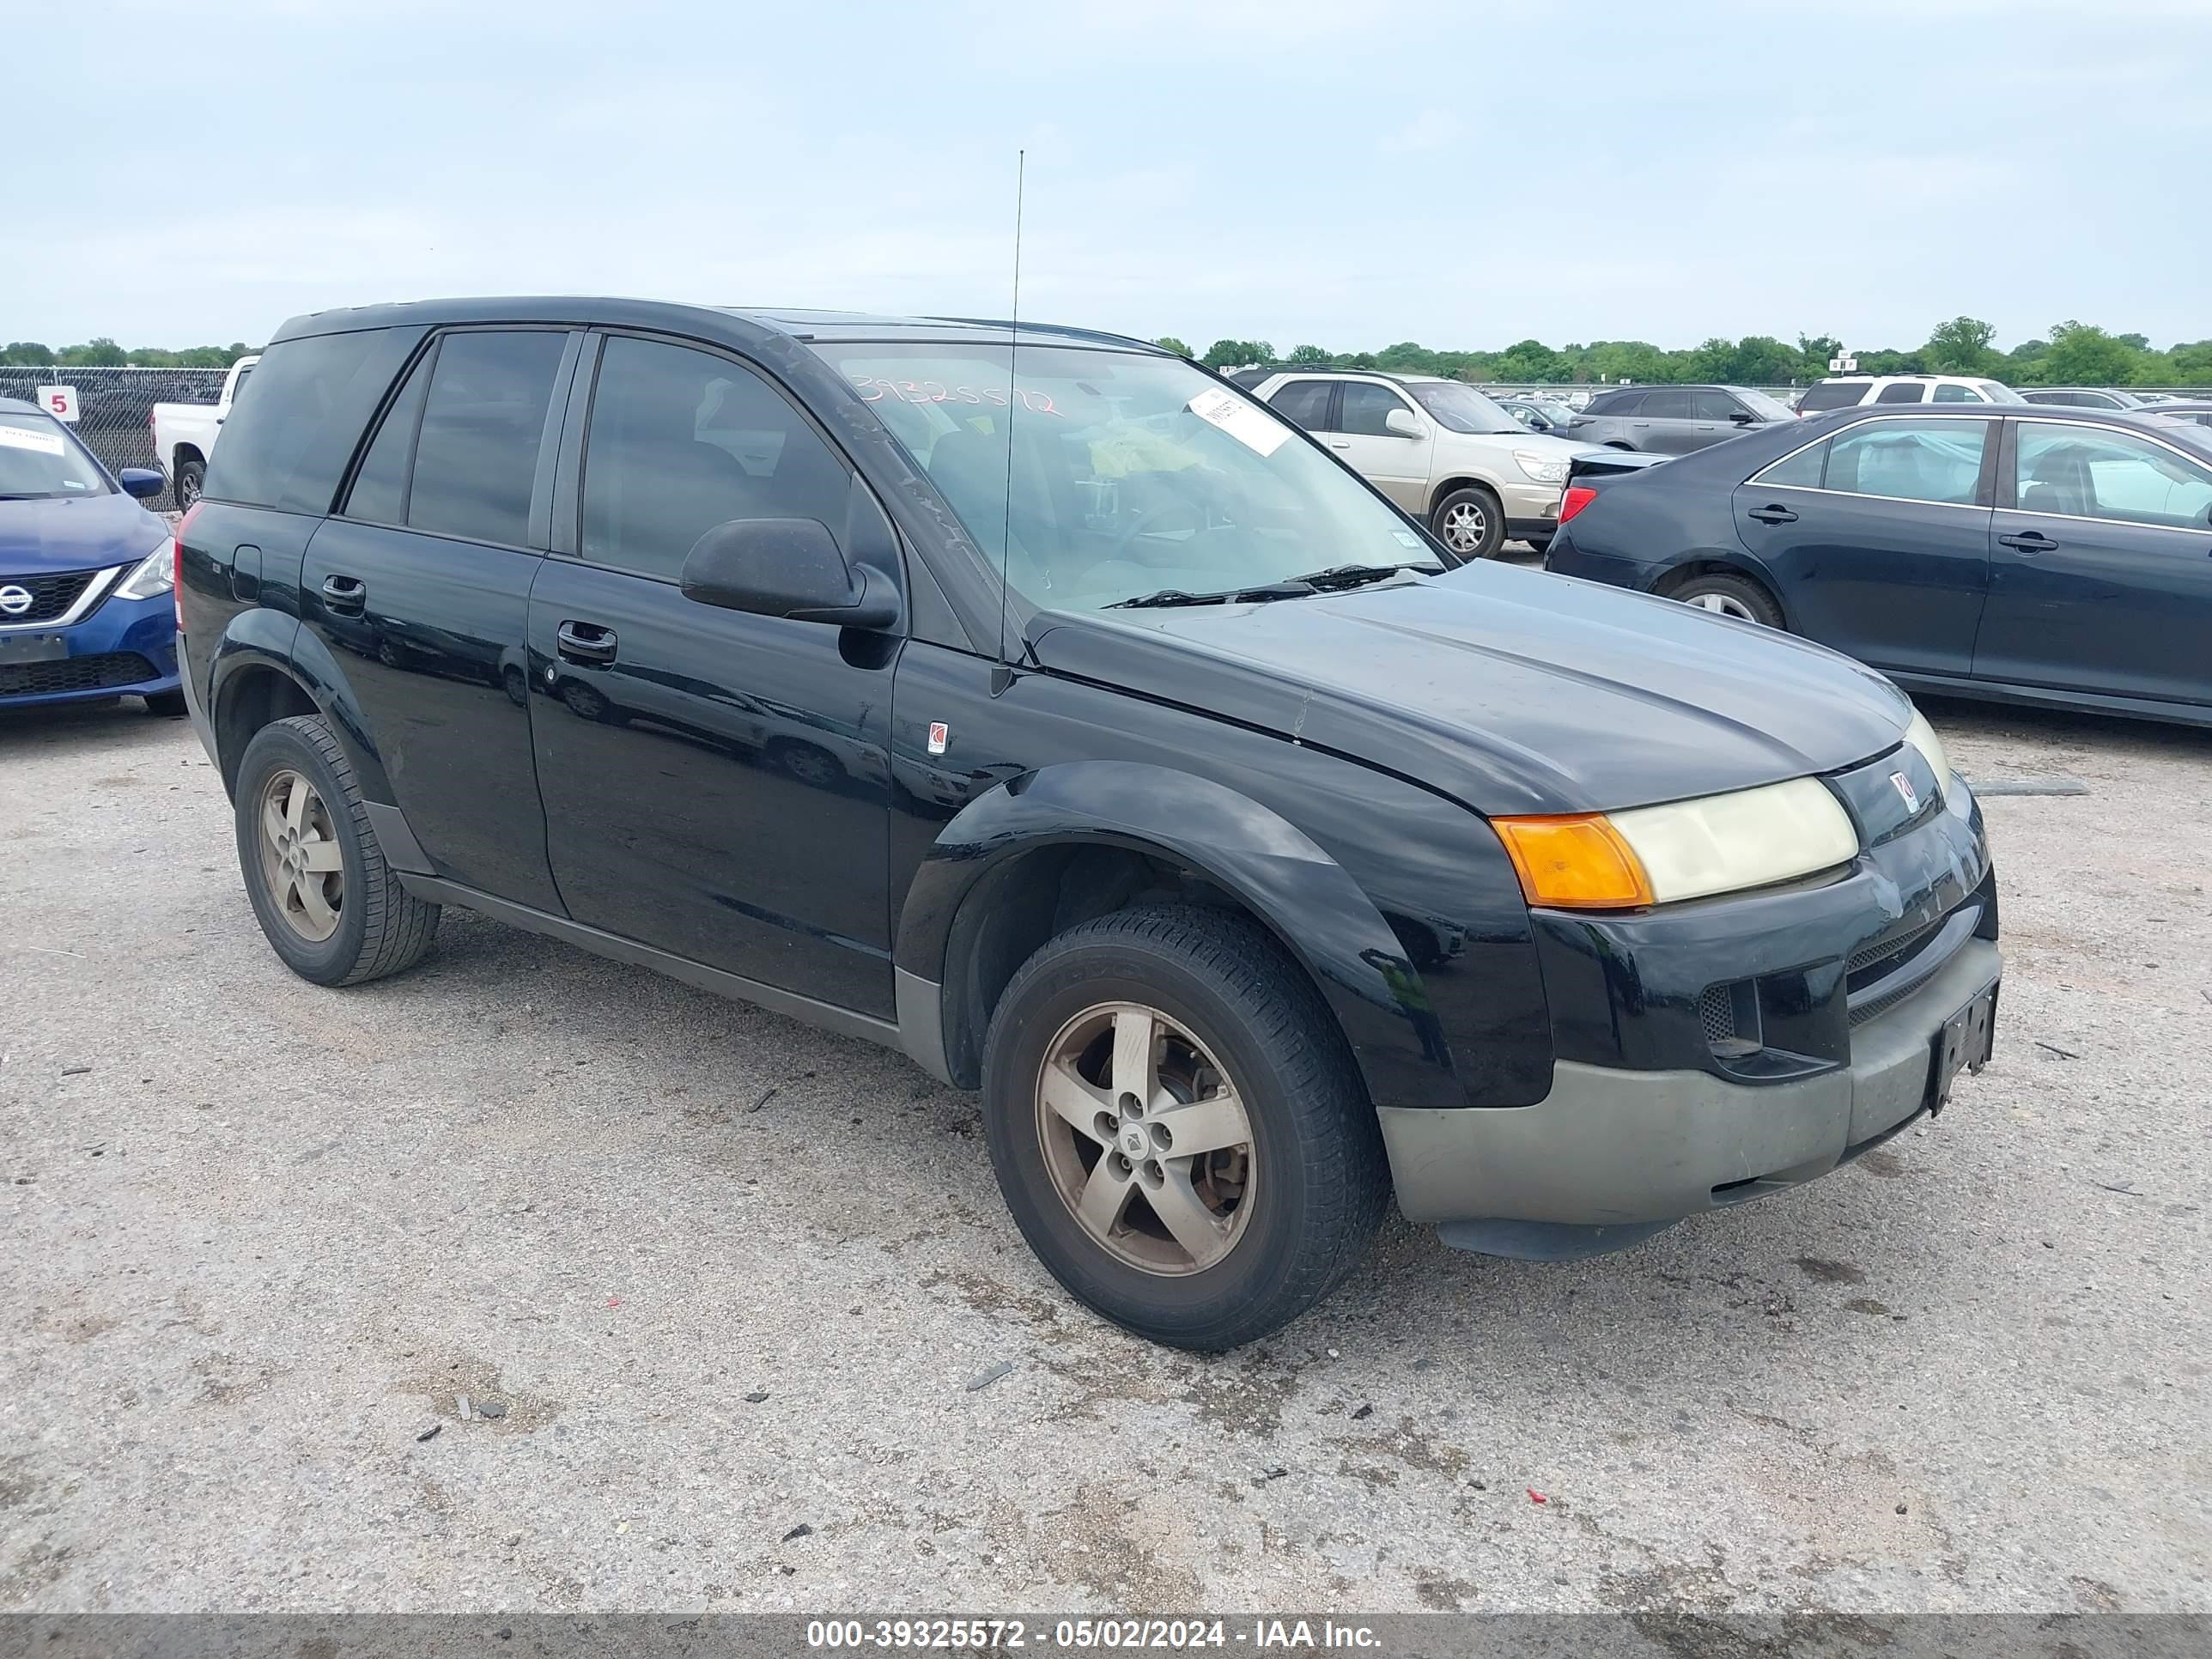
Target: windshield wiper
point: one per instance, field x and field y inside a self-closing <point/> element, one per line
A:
<point x="1295" y="589"/>
<point x="1358" y="576"/>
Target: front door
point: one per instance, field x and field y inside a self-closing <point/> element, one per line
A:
<point x="420" y="588"/>
<point x="714" y="781"/>
<point x="1396" y="463"/>
<point x="1879" y="539"/>
<point x="2100" y="566"/>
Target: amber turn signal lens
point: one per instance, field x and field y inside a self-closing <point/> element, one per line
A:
<point x="1577" y="863"/>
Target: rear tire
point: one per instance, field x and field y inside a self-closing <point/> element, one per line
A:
<point x="1286" y="1164"/>
<point x="1470" y="522"/>
<point x="1731" y="596"/>
<point x="192" y="479"/>
<point x="335" y="926"/>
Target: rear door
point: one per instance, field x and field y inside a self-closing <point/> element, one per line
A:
<point x="1396" y="463"/>
<point x="1310" y="403"/>
<point x="419" y="587"/>
<point x="2100" y="563"/>
<point x="1877" y="539"/>
<point x="716" y="783"/>
<point x="1665" y="423"/>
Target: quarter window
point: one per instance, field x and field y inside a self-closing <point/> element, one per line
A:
<point x="1367" y="409"/>
<point x="1615" y="403"/>
<point x="2083" y="471"/>
<point x="680" y="441"/>
<point x="1924" y="460"/>
<point x="288" y="444"/>
<point x="476" y="463"/>
<point x="1305" y="402"/>
<point x="1951" y="392"/>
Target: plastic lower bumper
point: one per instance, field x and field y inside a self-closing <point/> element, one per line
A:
<point x="1628" y="1153"/>
<point x="124" y="647"/>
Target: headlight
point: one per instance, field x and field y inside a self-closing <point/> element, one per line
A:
<point x="1922" y="735"/>
<point x="154" y="574"/>
<point x="1544" y="469"/>
<point x="1684" y="850"/>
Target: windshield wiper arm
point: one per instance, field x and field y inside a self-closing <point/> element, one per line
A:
<point x="1357" y="575"/>
<point x="1296" y="588"/>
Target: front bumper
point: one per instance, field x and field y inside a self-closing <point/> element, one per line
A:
<point x="1612" y="1149"/>
<point x="124" y="647"/>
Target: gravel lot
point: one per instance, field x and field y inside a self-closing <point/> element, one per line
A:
<point x="261" y="1236"/>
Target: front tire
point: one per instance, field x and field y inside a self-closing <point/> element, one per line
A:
<point x="1470" y="522"/>
<point x="1178" y="1127"/>
<point x="328" y="902"/>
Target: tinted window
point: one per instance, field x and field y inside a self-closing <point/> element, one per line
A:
<point x="1668" y="403"/>
<point x="1947" y="392"/>
<point x="477" y="459"/>
<point x="2091" y="473"/>
<point x="1902" y="392"/>
<point x="1802" y="469"/>
<point x="1832" y="394"/>
<point x="682" y="441"/>
<point x="380" y="488"/>
<point x="1708" y="405"/>
<point x="1366" y="407"/>
<point x="1305" y="402"/>
<point x="1925" y="461"/>
<point x="1613" y="403"/>
<point x="288" y="444"/>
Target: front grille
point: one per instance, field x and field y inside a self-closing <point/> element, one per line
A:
<point x="50" y="596"/>
<point x="113" y="670"/>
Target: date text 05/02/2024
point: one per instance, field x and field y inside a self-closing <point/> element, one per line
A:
<point x="1088" y="1634"/>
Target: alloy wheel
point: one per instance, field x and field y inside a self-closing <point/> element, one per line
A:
<point x="1145" y="1138"/>
<point x="301" y="861"/>
<point x="1725" y="604"/>
<point x="1464" y="527"/>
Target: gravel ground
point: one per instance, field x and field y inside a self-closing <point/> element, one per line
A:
<point x="261" y="1236"/>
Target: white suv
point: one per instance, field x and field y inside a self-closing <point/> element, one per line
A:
<point x="1438" y="448"/>
<point x="1849" y="391"/>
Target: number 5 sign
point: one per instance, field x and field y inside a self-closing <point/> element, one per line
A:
<point x="58" y="401"/>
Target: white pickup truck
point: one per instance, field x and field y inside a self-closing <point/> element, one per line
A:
<point x="185" y="433"/>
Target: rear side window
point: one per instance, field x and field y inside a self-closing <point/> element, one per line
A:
<point x="380" y="488"/>
<point x="1928" y="459"/>
<point x="1832" y="394"/>
<point x="1801" y="470"/>
<point x="682" y="441"/>
<point x="476" y="461"/>
<point x="1951" y="392"/>
<point x="288" y="444"/>
<point x="1305" y="402"/>
<point x="1902" y="392"/>
<point x="1669" y="403"/>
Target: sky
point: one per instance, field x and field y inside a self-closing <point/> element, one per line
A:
<point x="1342" y="173"/>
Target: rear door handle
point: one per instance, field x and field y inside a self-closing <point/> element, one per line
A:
<point x="2029" y="542"/>
<point x="345" y="596"/>
<point x="1773" y="515"/>
<point x="1340" y="443"/>
<point x="586" y="642"/>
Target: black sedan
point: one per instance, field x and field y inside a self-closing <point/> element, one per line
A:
<point x="2050" y="555"/>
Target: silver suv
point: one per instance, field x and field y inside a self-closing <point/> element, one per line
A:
<point x="1438" y="448"/>
<point x="1674" y="420"/>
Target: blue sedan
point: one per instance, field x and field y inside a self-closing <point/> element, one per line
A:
<point x="85" y="607"/>
<point x="2049" y="556"/>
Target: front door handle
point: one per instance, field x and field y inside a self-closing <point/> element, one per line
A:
<point x="345" y="596"/>
<point x="2029" y="542"/>
<point x="1776" y="514"/>
<point x="586" y="642"/>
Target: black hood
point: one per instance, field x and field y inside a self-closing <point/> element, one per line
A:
<point x="1508" y="689"/>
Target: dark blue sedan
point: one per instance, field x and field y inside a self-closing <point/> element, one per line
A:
<point x="85" y="607"/>
<point x="2059" y="556"/>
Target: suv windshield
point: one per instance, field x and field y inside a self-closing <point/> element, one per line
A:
<point x="38" y="459"/>
<point x="1108" y="476"/>
<point x="1766" y="408"/>
<point x="1461" y="408"/>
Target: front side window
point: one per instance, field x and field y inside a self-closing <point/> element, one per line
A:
<point x="1366" y="410"/>
<point x="39" y="460"/>
<point x="1100" y="476"/>
<point x="680" y="441"/>
<point x="1709" y="403"/>
<point x="476" y="461"/>
<point x="1923" y="460"/>
<point x="1305" y="402"/>
<point x="2083" y="471"/>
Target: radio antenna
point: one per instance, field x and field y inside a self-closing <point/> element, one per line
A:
<point x="1013" y="395"/>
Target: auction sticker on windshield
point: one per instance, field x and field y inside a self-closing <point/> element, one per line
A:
<point x="16" y="437"/>
<point x="1250" y="425"/>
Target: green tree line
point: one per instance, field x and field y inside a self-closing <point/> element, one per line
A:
<point x="2073" y="353"/>
<point x="104" y="353"/>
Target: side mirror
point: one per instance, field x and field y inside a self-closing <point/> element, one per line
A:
<point x="1401" y="422"/>
<point x="789" y="568"/>
<point x="1742" y="417"/>
<point x="144" y="482"/>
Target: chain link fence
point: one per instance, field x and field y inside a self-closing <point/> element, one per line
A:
<point x="115" y="406"/>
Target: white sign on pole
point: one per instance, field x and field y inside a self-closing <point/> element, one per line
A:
<point x="1843" y="363"/>
<point x="59" y="401"/>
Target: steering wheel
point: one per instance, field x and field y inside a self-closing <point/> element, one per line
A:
<point x="1152" y="517"/>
